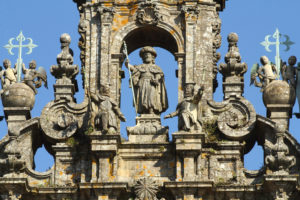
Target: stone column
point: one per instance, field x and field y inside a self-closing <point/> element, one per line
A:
<point x="63" y="164"/>
<point x="105" y="149"/>
<point x="188" y="148"/>
<point x="180" y="74"/>
<point x="106" y="18"/>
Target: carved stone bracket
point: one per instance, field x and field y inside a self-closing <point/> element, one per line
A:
<point x="61" y="119"/>
<point x="148" y="13"/>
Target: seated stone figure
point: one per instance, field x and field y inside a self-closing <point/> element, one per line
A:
<point x="108" y="111"/>
<point x="186" y="119"/>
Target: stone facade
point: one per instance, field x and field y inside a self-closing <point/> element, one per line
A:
<point x="205" y="159"/>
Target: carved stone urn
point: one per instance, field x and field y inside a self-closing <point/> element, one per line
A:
<point x="18" y="95"/>
<point x="279" y="98"/>
<point x="279" y="92"/>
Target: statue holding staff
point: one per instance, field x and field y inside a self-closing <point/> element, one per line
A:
<point x="148" y="84"/>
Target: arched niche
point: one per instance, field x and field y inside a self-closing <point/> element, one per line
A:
<point x="162" y="35"/>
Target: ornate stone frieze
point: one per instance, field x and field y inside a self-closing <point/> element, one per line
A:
<point x="148" y="13"/>
<point x="82" y="28"/>
<point x="217" y="41"/>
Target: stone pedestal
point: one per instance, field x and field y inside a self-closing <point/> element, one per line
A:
<point x="105" y="148"/>
<point x="15" y="116"/>
<point x="64" y="91"/>
<point x="280" y="113"/>
<point x="148" y="129"/>
<point x="233" y="89"/>
<point x="188" y="148"/>
<point x="63" y="164"/>
<point x="279" y="98"/>
<point x="280" y="187"/>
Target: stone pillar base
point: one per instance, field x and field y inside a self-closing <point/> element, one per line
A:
<point x="233" y="89"/>
<point x="65" y="91"/>
<point x="15" y="116"/>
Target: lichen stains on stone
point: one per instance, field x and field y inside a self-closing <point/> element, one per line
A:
<point x="119" y="22"/>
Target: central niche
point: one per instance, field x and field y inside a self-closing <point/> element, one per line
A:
<point x="166" y="61"/>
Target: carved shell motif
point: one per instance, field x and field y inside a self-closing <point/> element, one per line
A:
<point x="148" y="13"/>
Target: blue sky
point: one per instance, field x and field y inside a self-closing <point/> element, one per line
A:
<point x="44" y="21"/>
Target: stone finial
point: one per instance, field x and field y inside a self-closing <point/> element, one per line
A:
<point x="65" y="72"/>
<point x="233" y="69"/>
<point x="65" y="67"/>
<point x="233" y="66"/>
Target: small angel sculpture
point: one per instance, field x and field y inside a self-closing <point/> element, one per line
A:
<point x="8" y="75"/>
<point x="33" y="78"/>
<point x="266" y="73"/>
<point x="289" y="72"/>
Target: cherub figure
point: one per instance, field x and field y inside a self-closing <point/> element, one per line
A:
<point x="266" y="73"/>
<point x="108" y="111"/>
<point x="289" y="73"/>
<point x="31" y="74"/>
<point x="8" y="76"/>
<point x="187" y="109"/>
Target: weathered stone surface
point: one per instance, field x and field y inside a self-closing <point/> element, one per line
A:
<point x="205" y="160"/>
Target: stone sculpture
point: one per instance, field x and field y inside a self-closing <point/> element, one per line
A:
<point x="187" y="118"/>
<point x="149" y="85"/>
<point x="8" y="76"/>
<point x="266" y="73"/>
<point x="289" y="72"/>
<point x="31" y="74"/>
<point x="108" y="111"/>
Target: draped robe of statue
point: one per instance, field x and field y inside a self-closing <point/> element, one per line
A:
<point x="149" y="89"/>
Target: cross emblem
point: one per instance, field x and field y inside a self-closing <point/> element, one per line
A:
<point x="20" y="38"/>
<point x="267" y="43"/>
